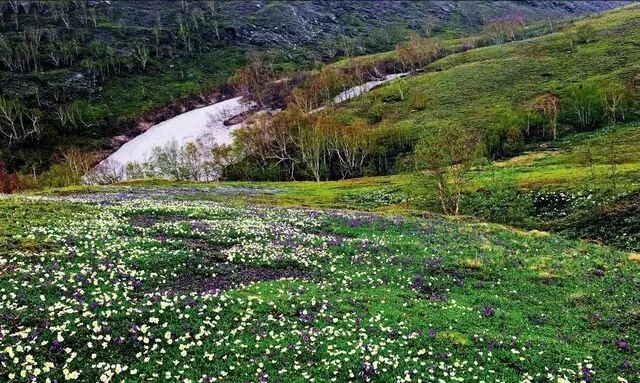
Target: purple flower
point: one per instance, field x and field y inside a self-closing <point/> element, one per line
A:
<point x="625" y="365"/>
<point x="587" y="375"/>
<point x="417" y="282"/>
<point x="55" y="346"/>
<point x="367" y="371"/>
<point x="306" y="318"/>
<point x="488" y="311"/>
<point x="622" y="345"/>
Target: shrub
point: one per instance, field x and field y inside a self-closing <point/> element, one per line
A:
<point x="584" y="33"/>
<point x="505" y="138"/>
<point x="9" y="183"/>
<point x="501" y="203"/>
<point x="246" y="170"/>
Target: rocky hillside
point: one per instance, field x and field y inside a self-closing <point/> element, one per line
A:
<point x="81" y="72"/>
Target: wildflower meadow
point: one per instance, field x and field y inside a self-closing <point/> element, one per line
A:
<point x="144" y="286"/>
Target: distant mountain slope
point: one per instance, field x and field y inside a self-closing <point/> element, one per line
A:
<point x="80" y="72"/>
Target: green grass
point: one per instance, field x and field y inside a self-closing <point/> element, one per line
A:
<point x="91" y="291"/>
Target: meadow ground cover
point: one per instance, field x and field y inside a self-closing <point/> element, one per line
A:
<point x="162" y="284"/>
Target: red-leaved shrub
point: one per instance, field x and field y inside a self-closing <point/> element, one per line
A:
<point x="9" y="183"/>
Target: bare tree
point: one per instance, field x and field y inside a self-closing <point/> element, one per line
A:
<point x="311" y="143"/>
<point x="185" y="33"/>
<point x="78" y="161"/>
<point x="106" y="172"/>
<point x="6" y="54"/>
<point x="93" y="15"/>
<point x="3" y="8"/>
<point x="141" y="54"/>
<point x="157" y="32"/>
<point x="429" y="22"/>
<point x="15" y="8"/>
<point x="65" y="19"/>
<point x="447" y="155"/>
<point x="271" y="138"/>
<point x="213" y="8"/>
<point x="351" y="146"/>
<point x="549" y="105"/>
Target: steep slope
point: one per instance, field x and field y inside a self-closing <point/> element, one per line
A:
<point x="78" y="73"/>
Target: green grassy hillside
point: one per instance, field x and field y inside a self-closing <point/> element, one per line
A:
<point x="492" y="88"/>
<point x="88" y="70"/>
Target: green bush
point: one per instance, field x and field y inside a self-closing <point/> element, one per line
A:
<point x="248" y="171"/>
<point x="505" y="138"/>
<point x="502" y="204"/>
<point x="615" y="223"/>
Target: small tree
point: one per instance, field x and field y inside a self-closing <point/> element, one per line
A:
<point x="78" y="161"/>
<point x="351" y="145"/>
<point x="447" y="154"/>
<point x="418" y="52"/>
<point x="106" y="172"/>
<point x="141" y="54"/>
<point x="617" y="99"/>
<point x="311" y="144"/>
<point x="586" y="105"/>
<point x="584" y="33"/>
<point x="429" y="23"/>
<point x="549" y="106"/>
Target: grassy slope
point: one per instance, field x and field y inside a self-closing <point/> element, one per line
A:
<point x="482" y="87"/>
<point x="429" y="296"/>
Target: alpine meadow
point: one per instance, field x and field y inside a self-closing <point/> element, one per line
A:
<point x="280" y="191"/>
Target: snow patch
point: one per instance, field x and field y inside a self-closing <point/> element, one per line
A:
<point x="206" y="122"/>
<point x="367" y="86"/>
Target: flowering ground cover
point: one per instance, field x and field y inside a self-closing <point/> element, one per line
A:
<point x="151" y="286"/>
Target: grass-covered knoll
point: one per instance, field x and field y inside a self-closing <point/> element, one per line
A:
<point x="493" y="89"/>
<point x="142" y="286"/>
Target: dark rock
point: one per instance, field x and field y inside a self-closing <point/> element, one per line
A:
<point x="235" y="120"/>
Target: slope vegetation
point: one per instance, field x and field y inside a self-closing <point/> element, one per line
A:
<point x="85" y="71"/>
<point x="493" y="89"/>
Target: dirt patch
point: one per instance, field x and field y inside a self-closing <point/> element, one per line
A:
<point x="205" y="245"/>
<point x="147" y="221"/>
<point x="229" y="276"/>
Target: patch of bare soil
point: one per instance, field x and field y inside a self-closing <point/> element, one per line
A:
<point x="147" y="221"/>
<point x="229" y="276"/>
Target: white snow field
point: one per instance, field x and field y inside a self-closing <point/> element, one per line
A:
<point x="203" y="123"/>
<point x="367" y="86"/>
<point x="182" y="129"/>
